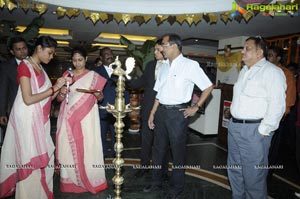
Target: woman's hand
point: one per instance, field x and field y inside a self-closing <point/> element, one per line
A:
<point x="98" y="95"/>
<point x="60" y="82"/>
<point x="63" y="91"/>
<point x="69" y="79"/>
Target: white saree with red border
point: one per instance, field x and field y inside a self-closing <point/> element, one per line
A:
<point x="78" y="139"/>
<point x="27" y="155"/>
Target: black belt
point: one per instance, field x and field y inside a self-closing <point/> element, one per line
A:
<point x="176" y="106"/>
<point x="234" y="120"/>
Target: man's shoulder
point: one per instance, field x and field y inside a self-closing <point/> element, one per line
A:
<point x="287" y="72"/>
<point x="6" y="66"/>
<point x="99" y="69"/>
<point x="271" y="68"/>
<point x="10" y="61"/>
<point x="188" y="60"/>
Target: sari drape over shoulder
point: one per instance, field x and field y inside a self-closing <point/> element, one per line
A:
<point x="78" y="141"/>
<point x="27" y="155"/>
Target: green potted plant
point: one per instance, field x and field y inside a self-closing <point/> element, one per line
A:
<point x="142" y="54"/>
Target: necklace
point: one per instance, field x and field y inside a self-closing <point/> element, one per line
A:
<point x="37" y="65"/>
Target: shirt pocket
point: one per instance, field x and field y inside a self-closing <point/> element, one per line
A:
<point x="254" y="89"/>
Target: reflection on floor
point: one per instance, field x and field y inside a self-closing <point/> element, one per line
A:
<point x="207" y="178"/>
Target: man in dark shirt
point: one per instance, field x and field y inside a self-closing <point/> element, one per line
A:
<point x="107" y="120"/>
<point x="147" y="81"/>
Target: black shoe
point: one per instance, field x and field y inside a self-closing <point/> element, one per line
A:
<point x="141" y="172"/>
<point x="151" y="188"/>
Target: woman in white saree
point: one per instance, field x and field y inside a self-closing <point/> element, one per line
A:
<point x="78" y="141"/>
<point x="26" y="166"/>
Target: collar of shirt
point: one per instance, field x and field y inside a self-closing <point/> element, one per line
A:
<point x="178" y="58"/>
<point x="18" y="61"/>
<point x="163" y="61"/>
<point x="109" y="70"/>
<point x="158" y="66"/>
<point x="260" y="63"/>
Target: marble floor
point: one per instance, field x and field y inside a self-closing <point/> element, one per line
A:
<point x="206" y="180"/>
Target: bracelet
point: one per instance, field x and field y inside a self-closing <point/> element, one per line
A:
<point x="52" y="91"/>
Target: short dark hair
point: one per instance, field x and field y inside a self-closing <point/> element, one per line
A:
<point x="159" y="41"/>
<point x="103" y="49"/>
<point x="14" y="40"/>
<point x="174" y="39"/>
<point x="80" y="50"/>
<point x="46" y="42"/>
<point x="260" y="42"/>
<point x="278" y="50"/>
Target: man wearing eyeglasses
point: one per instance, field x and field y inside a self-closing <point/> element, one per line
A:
<point x="170" y="112"/>
<point x="258" y="105"/>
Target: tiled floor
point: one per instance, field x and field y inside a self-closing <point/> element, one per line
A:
<point x="208" y="181"/>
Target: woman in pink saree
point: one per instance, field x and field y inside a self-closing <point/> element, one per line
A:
<point x="26" y="166"/>
<point x="78" y="141"/>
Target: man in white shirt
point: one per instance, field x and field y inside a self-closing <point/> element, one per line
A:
<point x="257" y="107"/>
<point x="170" y="112"/>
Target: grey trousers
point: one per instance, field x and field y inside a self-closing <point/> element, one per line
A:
<point x="247" y="161"/>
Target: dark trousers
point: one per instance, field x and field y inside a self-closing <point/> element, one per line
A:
<point x="170" y="130"/>
<point x="147" y="136"/>
<point x="107" y="124"/>
<point x="275" y="145"/>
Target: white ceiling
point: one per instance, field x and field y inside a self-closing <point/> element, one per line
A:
<point x="83" y="30"/>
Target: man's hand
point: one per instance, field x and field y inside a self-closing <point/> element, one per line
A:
<point x="150" y="121"/>
<point x="3" y="120"/>
<point x="189" y="111"/>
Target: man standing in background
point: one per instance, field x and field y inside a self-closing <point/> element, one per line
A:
<point x="8" y="77"/>
<point x="147" y="81"/>
<point x="275" y="56"/>
<point x="107" y="120"/>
